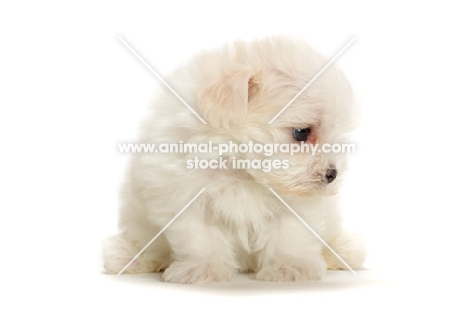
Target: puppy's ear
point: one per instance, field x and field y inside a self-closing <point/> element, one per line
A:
<point x="224" y="103"/>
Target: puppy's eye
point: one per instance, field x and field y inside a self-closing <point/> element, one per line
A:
<point x="301" y="134"/>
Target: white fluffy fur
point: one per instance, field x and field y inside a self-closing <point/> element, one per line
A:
<point x="237" y="225"/>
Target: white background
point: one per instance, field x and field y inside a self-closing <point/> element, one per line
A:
<point x="70" y="92"/>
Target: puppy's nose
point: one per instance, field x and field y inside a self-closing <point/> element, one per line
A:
<point x="331" y="175"/>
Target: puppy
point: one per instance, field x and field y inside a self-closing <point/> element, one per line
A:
<point x="237" y="224"/>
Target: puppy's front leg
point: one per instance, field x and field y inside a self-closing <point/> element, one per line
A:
<point x="350" y="247"/>
<point x="202" y="251"/>
<point x="291" y="253"/>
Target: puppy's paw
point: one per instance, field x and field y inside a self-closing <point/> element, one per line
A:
<point x="350" y="247"/>
<point x="118" y="252"/>
<point x="186" y="272"/>
<point x="293" y="271"/>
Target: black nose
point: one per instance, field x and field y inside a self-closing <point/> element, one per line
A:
<point x="331" y="175"/>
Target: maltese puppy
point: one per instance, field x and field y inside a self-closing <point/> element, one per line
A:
<point x="238" y="224"/>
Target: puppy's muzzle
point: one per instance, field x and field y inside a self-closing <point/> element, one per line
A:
<point x="330" y="175"/>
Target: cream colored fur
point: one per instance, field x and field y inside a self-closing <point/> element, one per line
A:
<point x="237" y="224"/>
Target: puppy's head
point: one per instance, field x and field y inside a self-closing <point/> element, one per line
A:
<point x="254" y="83"/>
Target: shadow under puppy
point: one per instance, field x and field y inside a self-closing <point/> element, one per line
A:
<point x="237" y="224"/>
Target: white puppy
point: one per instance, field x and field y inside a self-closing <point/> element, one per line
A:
<point x="237" y="224"/>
